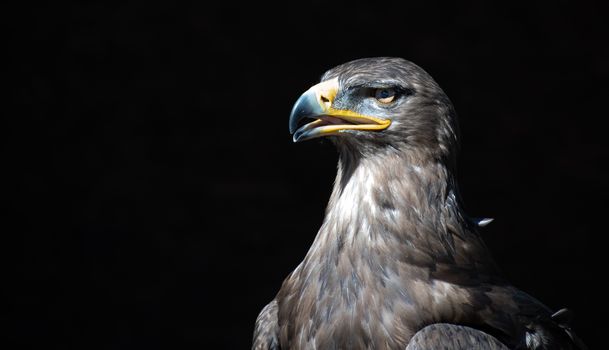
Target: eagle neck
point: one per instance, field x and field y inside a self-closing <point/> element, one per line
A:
<point x="398" y="204"/>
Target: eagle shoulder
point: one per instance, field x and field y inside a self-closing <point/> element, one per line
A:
<point x="451" y="336"/>
<point x="266" y="330"/>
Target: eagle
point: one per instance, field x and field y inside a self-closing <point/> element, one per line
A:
<point x="397" y="264"/>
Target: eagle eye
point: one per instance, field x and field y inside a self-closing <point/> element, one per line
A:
<point x="385" y="95"/>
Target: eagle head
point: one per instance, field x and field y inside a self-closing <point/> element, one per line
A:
<point x="374" y="103"/>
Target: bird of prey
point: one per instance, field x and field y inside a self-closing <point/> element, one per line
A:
<point x="397" y="264"/>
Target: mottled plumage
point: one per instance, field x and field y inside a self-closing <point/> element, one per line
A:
<point x="396" y="263"/>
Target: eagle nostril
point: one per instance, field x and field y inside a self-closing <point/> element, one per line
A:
<point x="325" y="101"/>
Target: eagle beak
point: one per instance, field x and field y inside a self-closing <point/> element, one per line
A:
<point x="316" y="103"/>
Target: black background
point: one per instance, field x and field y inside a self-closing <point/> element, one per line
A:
<point x="156" y="199"/>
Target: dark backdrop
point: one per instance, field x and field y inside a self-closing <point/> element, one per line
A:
<point x="156" y="199"/>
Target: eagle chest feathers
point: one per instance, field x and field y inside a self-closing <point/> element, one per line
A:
<point x="364" y="280"/>
<point x="396" y="263"/>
